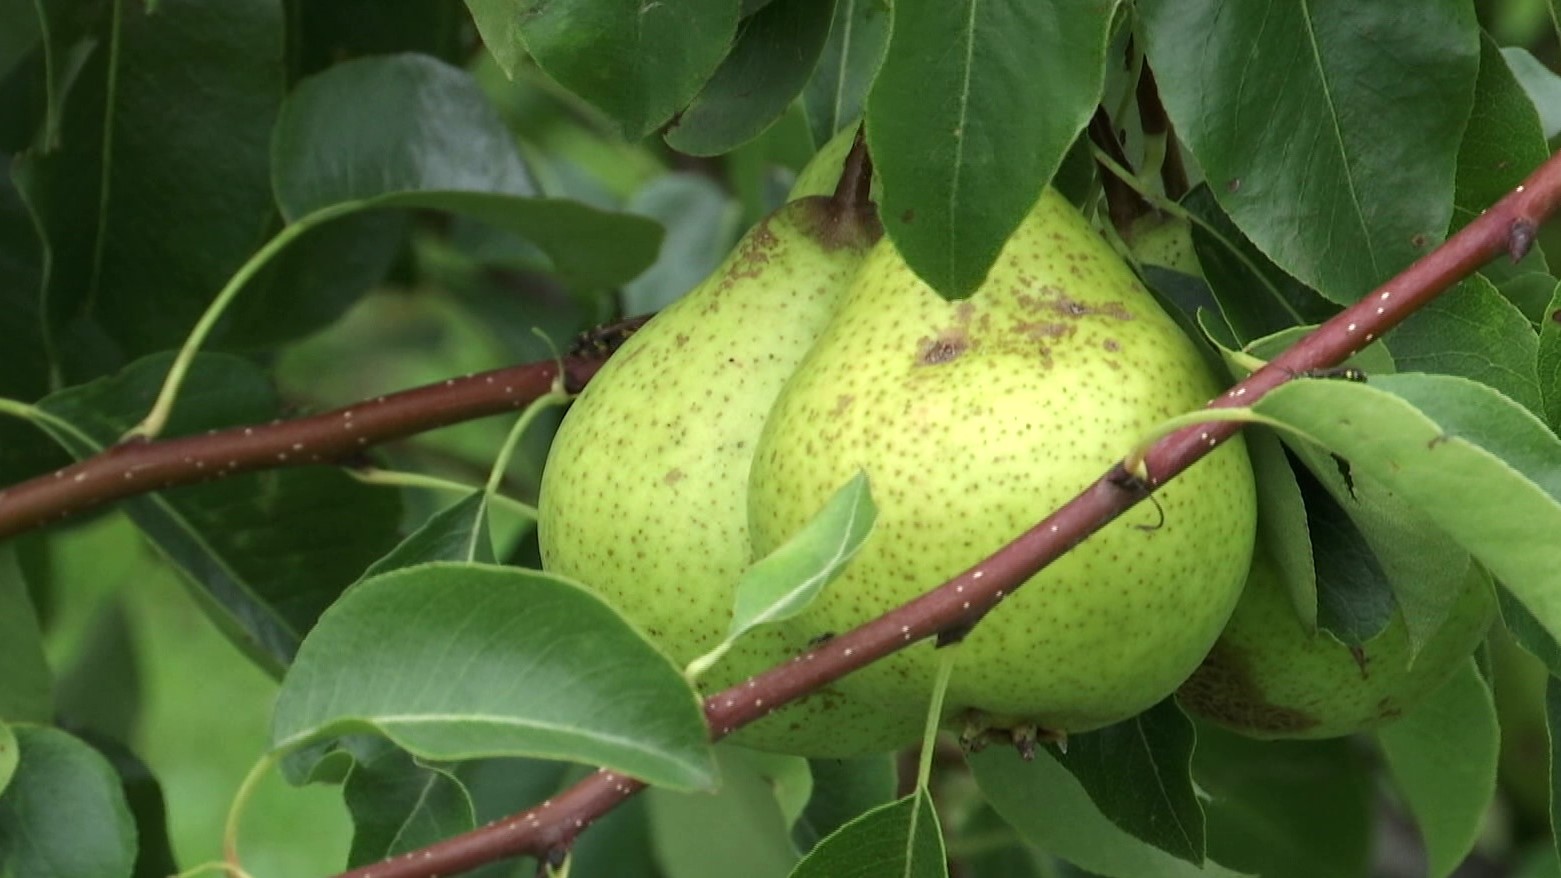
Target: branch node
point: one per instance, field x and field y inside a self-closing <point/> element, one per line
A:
<point x="1520" y="238"/>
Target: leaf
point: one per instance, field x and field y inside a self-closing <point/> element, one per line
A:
<point x="739" y="829"/>
<point x="700" y="222"/>
<point x="639" y="62"/>
<point x="1548" y="361"/>
<point x="9" y="755"/>
<point x="1138" y="774"/>
<point x="459" y="532"/>
<point x="1503" y="142"/>
<point x="898" y="839"/>
<point x="26" y="375"/>
<point x="399" y="804"/>
<point x="969" y="118"/>
<point x="836" y="94"/>
<point x="267" y="551"/>
<point x="1479" y="467"/>
<point x="409" y="131"/>
<point x="1443" y="759"/>
<point x="842" y="790"/>
<point x="1471" y="330"/>
<point x="26" y="683"/>
<point x="144" y="796"/>
<point x="775" y="52"/>
<point x="1354" y="595"/>
<point x="1065" y="822"/>
<point x="147" y="218"/>
<point x="1541" y="84"/>
<point x="1340" y="185"/>
<point x="1286" y="809"/>
<point x="1281" y="522"/>
<point x="1553" y="729"/>
<point x="455" y="661"/>
<point x="64" y="812"/>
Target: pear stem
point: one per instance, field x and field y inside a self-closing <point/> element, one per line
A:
<point x="854" y="191"/>
<point x="1508" y="226"/>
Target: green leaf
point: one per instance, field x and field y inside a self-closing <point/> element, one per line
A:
<point x="969" y="118"/>
<point x="459" y="532"/>
<point x="783" y="583"/>
<point x="64" y="813"/>
<point x="900" y="839"/>
<point x="144" y="795"/>
<point x="399" y="804"/>
<point x="1504" y="141"/>
<point x="1473" y="331"/>
<point x="267" y="551"/>
<point x="842" y="790"/>
<point x="639" y="62"/>
<point x="1138" y="774"/>
<point x="836" y="94"/>
<point x="701" y="223"/>
<point x="1286" y="809"/>
<point x="739" y="829"/>
<point x="455" y="661"/>
<point x="1553" y="729"/>
<point x="1341" y="185"/>
<point x="1065" y="821"/>
<point x="1354" y="595"/>
<point x="146" y="219"/>
<point x="409" y="131"/>
<point x="325" y="33"/>
<point x="10" y="755"/>
<point x="1479" y="467"/>
<point x="26" y="685"/>
<point x="26" y="375"/>
<point x="1540" y="82"/>
<point x="776" y="51"/>
<point x="1443" y="759"/>
<point x="1281" y="522"/>
<point x="1548" y="361"/>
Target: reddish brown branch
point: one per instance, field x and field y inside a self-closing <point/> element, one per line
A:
<point x="962" y="601"/>
<point x="141" y="467"/>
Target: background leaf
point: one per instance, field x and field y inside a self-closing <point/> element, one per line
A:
<point x="1114" y="763"/>
<point x="969" y="118"/>
<point x="399" y="804"/>
<point x="836" y="94"/>
<point x="775" y="52"/>
<point x="1548" y="361"/>
<point x="1342" y="186"/>
<point x="1443" y="759"/>
<point x="25" y="680"/>
<point x="458" y="661"/>
<point x="268" y="550"/>
<point x="639" y="63"/>
<point x="899" y="839"/>
<point x="701" y="224"/>
<point x="1471" y="330"/>
<point x="64" y="813"/>
<point x="739" y="829"/>
<point x="843" y="789"/>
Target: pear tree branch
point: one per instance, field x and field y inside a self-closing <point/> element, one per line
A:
<point x="950" y="610"/>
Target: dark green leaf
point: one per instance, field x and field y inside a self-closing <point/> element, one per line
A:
<point x="775" y="53"/>
<point x="1481" y="468"/>
<point x="1342" y="185"/>
<point x="1443" y="759"/>
<point x="1548" y="360"/>
<point x="842" y="790"/>
<point x="1051" y="810"/>
<point x="25" y="681"/>
<point x="1113" y="764"/>
<point x="1503" y="143"/>
<point x="701" y="223"/>
<point x="619" y="845"/>
<point x="739" y="829"/>
<point x="268" y="550"/>
<point x="1541" y="84"/>
<point x="969" y="118"/>
<point x="64" y="813"/>
<point x="409" y="131"/>
<point x="1528" y="632"/>
<point x="399" y="804"/>
<point x="455" y="661"/>
<point x="1281" y="522"/>
<point x="1286" y="809"/>
<point x="835" y="96"/>
<point x="1530" y="291"/>
<point x="900" y="839"/>
<point x="326" y="33"/>
<point x="10" y="755"/>
<point x="1553" y="727"/>
<point x="459" y="532"/>
<point x="1471" y="330"/>
<point x="26" y="373"/>
<point x="1354" y="595"/>
<point x="144" y="795"/>
<point x="639" y="63"/>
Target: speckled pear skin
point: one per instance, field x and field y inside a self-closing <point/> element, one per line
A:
<point x="974" y="419"/>
<point x="1268" y="677"/>
<point x="644" y="494"/>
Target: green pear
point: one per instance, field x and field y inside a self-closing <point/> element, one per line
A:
<point x="644" y="496"/>
<point x="822" y="171"/>
<point x="1156" y="239"/>
<point x="974" y="419"/>
<point x="1269" y="677"/>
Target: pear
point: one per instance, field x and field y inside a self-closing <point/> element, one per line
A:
<point x="644" y="496"/>
<point x="1269" y="677"/>
<point x="974" y="419"/>
<point x="1165" y="241"/>
<point x="822" y="171"/>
